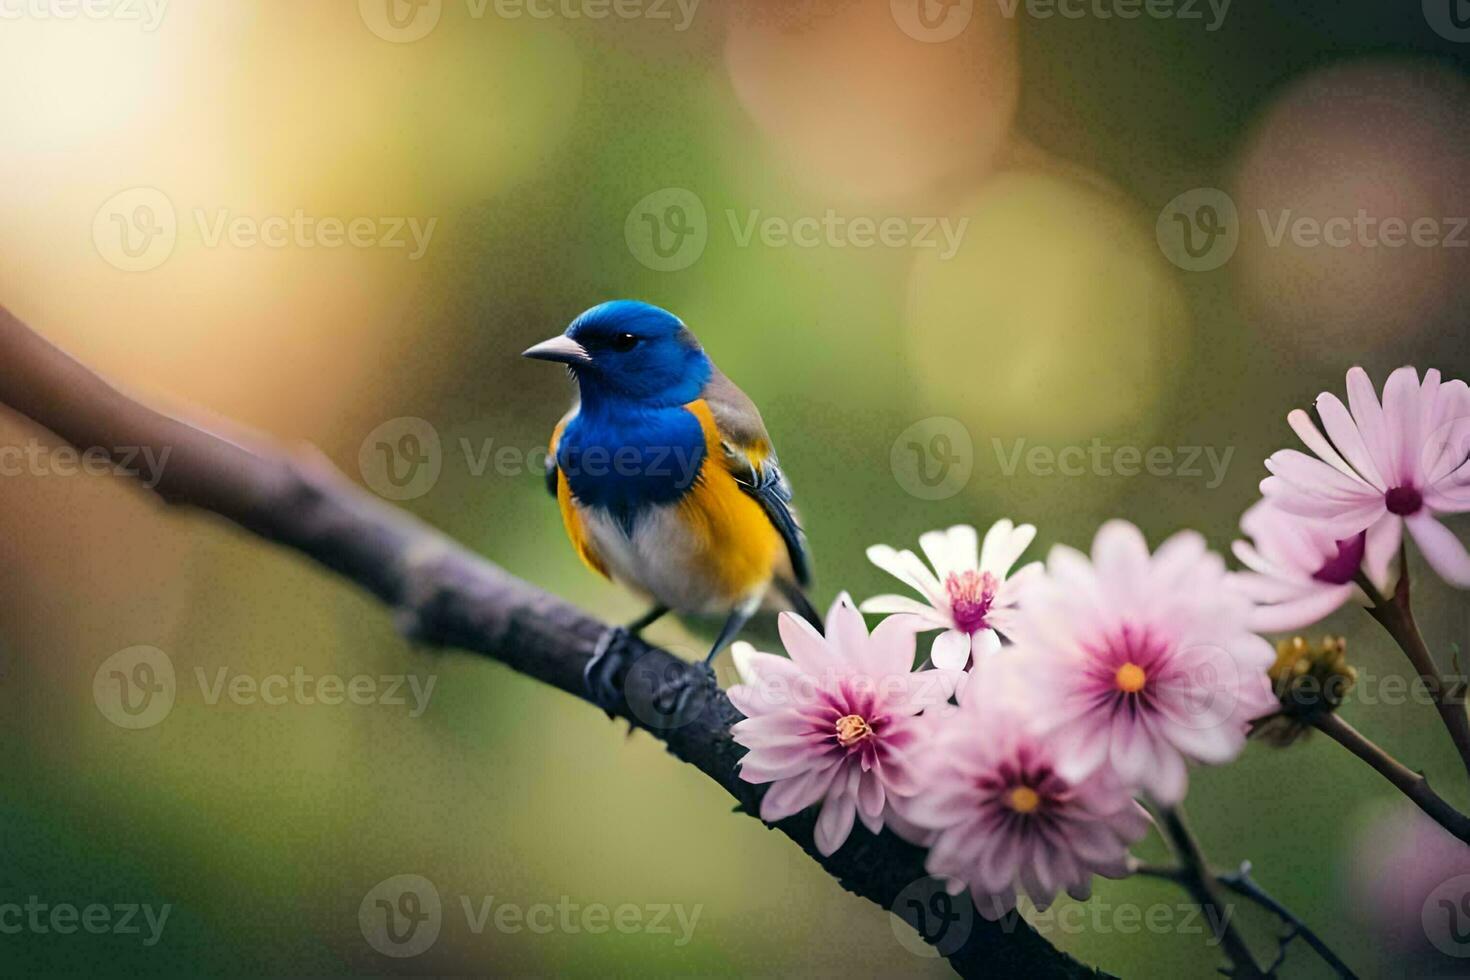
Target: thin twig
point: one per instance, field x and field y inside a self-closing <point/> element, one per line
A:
<point x="1396" y="616"/>
<point x="1241" y="882"/>
<point x="1412" y="784"/>
<point x="1244" y="885"/>
<point x="444" y="595"/>
<point x="1194" y="875"/>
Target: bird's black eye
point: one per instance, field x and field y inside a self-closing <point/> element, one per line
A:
<point x="624" y="341"/>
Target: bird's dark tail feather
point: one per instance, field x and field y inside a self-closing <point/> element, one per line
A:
<point x="799" y="602"/>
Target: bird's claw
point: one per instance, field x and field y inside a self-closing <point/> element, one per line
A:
<point x="609" y="661"/>
<point x="688" y="693"/>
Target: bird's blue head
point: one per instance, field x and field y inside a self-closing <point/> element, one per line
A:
<point x="630" y="351"/>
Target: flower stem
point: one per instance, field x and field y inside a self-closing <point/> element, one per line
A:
<point x="1412" y="784"/>
<point x="1396" y="616"/>
<point x="1195" y="876"/>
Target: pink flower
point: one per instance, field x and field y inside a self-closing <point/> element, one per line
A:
<point x="967" y="594"/>
<point x="1003" y="817"/>
<point x="836" y="724"/>
<point x="1381" y="468"/>
<point x="1146" y="661"/>
<point x="1298" y="574"/>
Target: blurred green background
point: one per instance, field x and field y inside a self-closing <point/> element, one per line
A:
<point x="547" y="150"/>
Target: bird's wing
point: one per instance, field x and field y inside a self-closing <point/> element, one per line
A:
<point x="751" y="459"/>
<point x="559" y="488"/>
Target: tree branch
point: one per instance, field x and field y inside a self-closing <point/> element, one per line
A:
<point x="1412" y="784"/>
<point x="444" y="595"/>
<point x="1241" y="883"/>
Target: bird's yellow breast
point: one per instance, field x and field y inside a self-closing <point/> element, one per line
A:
<point x="734" y="537"/>
<point x="712" y="549"/>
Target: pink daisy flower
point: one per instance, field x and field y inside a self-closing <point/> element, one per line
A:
<point x="1147" y="660"/>
<point x="1002" y="816"/>
<point x="835" y="724"/>
<point x="1297" y="574"/>
<point x="1381" y="468"/>
<point x="967" y="594"/>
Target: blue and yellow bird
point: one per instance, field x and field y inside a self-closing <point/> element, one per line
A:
<point x="667" y="480"/>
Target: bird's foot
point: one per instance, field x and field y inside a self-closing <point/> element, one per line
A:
<point x="609" y="661"/>
<point x="684" y="696"/>
<point x="669" y="694"/>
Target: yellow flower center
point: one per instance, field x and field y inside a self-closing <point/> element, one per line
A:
<point x="1023" y="799"/>
<point x="852" y="729"/>
<point x="1130" y="678"/>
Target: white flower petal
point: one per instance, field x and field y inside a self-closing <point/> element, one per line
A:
<point x="951" y="650"/>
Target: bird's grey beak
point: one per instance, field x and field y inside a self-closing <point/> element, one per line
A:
<point x="562" y="349"/>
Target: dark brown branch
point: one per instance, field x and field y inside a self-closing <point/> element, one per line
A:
<point x="1412" y="784"/>
<point x="1241" y="883"/>
<point x="444" y="595"/>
